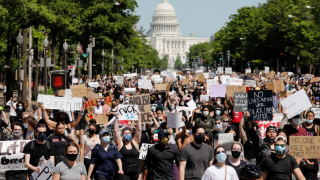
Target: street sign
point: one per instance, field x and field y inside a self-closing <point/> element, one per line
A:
<point x="48" y="62"/>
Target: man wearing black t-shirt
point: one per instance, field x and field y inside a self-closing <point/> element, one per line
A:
<point x="279" y="165"/>
<point x="34" y="150"/>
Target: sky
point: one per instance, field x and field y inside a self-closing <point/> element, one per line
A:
<point x="202" y="17"/>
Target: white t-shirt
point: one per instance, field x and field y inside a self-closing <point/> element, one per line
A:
<point x="12" y="111"/>
<point x="218" y="173"/>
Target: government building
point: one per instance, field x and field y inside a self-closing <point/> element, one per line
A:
<point x="164" y="35"/>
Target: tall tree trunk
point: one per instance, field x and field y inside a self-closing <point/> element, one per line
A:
<point x="25" y="65"/>
<point x="36" y="62"/>
<point x="9" y="72"/>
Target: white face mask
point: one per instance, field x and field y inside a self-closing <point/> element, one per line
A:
<point x="225" y="124"/>
<point x="218" y="126"/>
<point x="296" y="121"/>
<point x="218" y="102"/>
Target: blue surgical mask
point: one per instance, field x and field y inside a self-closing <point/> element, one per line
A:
<point x="42" y="137"/>
<point x="25" y="126"/>
<point x="217" y="112"/>
<point x="182" y="104"/>
<point x="20" y="107"/>
<point x="127" y="137"/>
<point x="205" y="113"/>
<point x="309" y="121"/>
<point x="221" y="157"/>
<point x="279" y="150"/>
<point x="106" y="139"/>
<point x="172" y="107"/>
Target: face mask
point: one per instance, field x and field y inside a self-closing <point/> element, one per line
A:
<point x="172" y="107"/>
<point x="102" y="103"/>
<point x="42" y="137"/>
<point x="182" y="104"/>
<point x="92" y="131"/>
<point x="71" y="157"/>
<point x="197" y="101"/>
<point x="235" y="154"/>
<point x="199" y="139"/>
<point x="309" y="121"/>
<point x="225" y="124"/>
<point x="218" y="102"/>
<point x="98" y="103"/>
<point x="164" y="141"/>
<point x="25" y="126"/>
<point x="20" y="107"/>
<point x="296" y="121"/>
<point x="217" y="112"/>
<point x="279" y="150"/>
<point x="17" y="133"/>
<point x="127" y="137"/>
<point x="218" y="126"/>
<point x="205" y="113"/>
<point x="106" y="139"/>
<point x="221" y="157"/>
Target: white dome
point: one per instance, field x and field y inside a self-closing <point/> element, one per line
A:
<point x="164" y="8"/>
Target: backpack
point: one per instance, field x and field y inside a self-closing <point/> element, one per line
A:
<point x="33" y="142"/>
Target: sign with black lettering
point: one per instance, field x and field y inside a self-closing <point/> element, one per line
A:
<point x="46" y="172"/>
<point x="144" y="150"/>
<point x="128" y="112"/>
<point x="12" y="156"/>
<point x="305" y="147"/>
<point x="260" y="105"/>
<point x="240" y="102"/>
<point x="62" y="103"/>
<point x="143" y="102"/>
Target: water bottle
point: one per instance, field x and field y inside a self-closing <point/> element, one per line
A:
<point x="41" y="161"/>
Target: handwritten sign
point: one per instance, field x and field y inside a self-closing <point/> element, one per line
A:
<point x="93" y="84"/>
<point x="144" y="105"/>
<point x="12" y="156"/>
<point x="204" y="98"/>
<point x="161" y="87"/>
<point x="128" y="112"/>
<point x="100" y="118"/>
<point x="266" y="70"/>
<point x="220" y="70"/>
<point x="62" y="103"/>
<point x="316" y="112"/>
<point x="144" y="84"/>
<point x="119" y="80"/>
<point x="92" y="95"/>
<point x="40" y="97"/>
<point x="305" y="147"/>
<point x="226" y="140"/>
<point x="235" y="81"/>
<point x="225" y="79"/>
<point x="228" y="70"/>
<point x="144" y="150"/>
<point x="218" y="90"/>
<point x="185" y="81"/>
<point x="46" y="171"/>
<point x="277" y="117"/>
<point x="235" y="89"/>
<point x="240" y="102"/>
<point x="78" y="90"/>
<point x="250" y="83"/>
<point x="248" y="70"/>
<point x="296" y="103"/>
<point x="315" y="79"/>
<point x="260" y="105"/>
<point x="275" y="86"/>
<point x="174" y="120"/>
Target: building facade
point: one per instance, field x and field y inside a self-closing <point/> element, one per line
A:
<point x="164" y="35"/>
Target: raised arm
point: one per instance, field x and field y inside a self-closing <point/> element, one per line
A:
<point x="50" y="123"/>
<point x="284" y="120"/>
<point x="116" y="135"/>
<point x="155" y="123"/>
<point x="76" y="122"/>
<point x="241" y="130"/>
<point x="137" y="136"/>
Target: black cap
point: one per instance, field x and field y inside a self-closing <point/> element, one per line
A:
<point x="163" y="133"/>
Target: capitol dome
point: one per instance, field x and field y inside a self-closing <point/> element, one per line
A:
<point x="164" y="8"/>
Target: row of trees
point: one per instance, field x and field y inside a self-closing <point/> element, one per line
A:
<point x="111" y="23"/>
<point x="280" y="33"/>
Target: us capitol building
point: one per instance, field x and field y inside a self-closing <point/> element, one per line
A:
<point x="164" y="35"/>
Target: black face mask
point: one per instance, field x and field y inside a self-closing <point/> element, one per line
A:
<point x="199" y="139"/>
<point x="71" y="157"/>
<point x="92" y="131"/>
<point x="236" y="154"/>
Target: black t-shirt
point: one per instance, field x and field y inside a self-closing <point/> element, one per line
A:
<point x="117" y="94"/>
<point x="19" y="113"/>
<point x="60" y="143"/>
<point x="37" y="152"/>
<point x="278" y="169"/>
<point x="83" y="115"/>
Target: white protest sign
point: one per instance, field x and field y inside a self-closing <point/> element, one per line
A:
<point x="155" y="76"/>
<point x="68" y="93"/>
<point x="228" y="70"/>
<point x="187" y="110"/>
<point x="174" y="120"/>
<point x="144" y="84"/>
<point x="250" y="83"/>
<point x="158" y="80"/>
<point x="277" y="117"/>
<point x="191" y="104"/>
<point x="220" y="70"/>
<point x="206" y="75"/>
<point x="266" y="70"/>
<point x="12" y="156"/>
<point x="144" y="150"/>
<point x="248" y="70"/>
<point x="296" y="103"/>
<point x="93" y="84"/>
<point x="153" y="107"/>
<point x="46" y="171"/>
<point x="225" y="79"/>
<point x="40" y="97"/>
<point x="235" y="81"/>
<point x="226" y="140"/>
<point x="171" y="76"/>
<point x="130" y="90"/>
<point x="204" y="97"/>
<point x="128" y="112"/>
<point x="119" y="80"/>
<point x="62" y="103"/>
<point x="75" y="80"/>
<point x="316" y="112"/>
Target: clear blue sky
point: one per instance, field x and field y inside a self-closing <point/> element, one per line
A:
<point x="202" y="17"/>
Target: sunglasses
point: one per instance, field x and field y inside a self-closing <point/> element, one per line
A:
<point x="226" y="121"/>
<point x="282" y="145"/>
<point x="218" y="152"/>
<point x="42" y="132"/>
<point x="217" y="123"/>
<point x="98" y="101"/>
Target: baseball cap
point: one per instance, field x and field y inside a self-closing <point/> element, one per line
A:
<point x="284" y="138"/>
<point x="103" y="131"/>
<point x="162" y="133"/>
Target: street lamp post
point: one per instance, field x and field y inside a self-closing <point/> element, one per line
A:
<point x="65" y="47"/>
<point x="90" y="56"/>
<point x="78" y="50"/>
<point x="45" y="45"/>
<point x="103" y="54"/>
<point x="19" y="39"/>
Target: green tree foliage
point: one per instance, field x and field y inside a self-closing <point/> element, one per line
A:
<point x="164" y="62"/>
<point x="178" y="63"/>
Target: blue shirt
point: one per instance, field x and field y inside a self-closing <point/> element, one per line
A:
<point x="105" y="161"/>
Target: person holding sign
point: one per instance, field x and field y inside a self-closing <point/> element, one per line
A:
<point x="128" y="147"/>
<point x="280" y="165"/>
<point x="69" y="169"/>
<point x="311" y="128"/>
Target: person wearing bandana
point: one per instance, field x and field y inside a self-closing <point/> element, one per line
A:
<point x="161" y="167"/>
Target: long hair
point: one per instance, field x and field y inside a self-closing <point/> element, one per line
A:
<point x="215" y="153"/>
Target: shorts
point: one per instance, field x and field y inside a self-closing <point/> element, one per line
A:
<point x="81" y="125"/>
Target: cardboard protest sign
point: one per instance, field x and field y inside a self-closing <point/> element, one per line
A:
<point x="235" y="81"/>
<point x="285" y="94"/>
<point x="92" y="95"/>
<point x="46" y="171"/>
<point x="218" y="90"/>
<point x="61" y="92"/>
<point x="78" y="90"/>
<point x="144" y="105"/>
<point x="240" y="102"/>
<point x="201" y="78"/>
<point x="128" y="112"/>
<point x="100" y="118"/>
<point x="275" y="86"/>
<point x="161" y="87"/>
<point x="93" y="84"/>
<point x="315" y="79"/>
<point x="62" y="103"/>
<point x="284" y="74"/>
<point x="296" y="103"/>
<point x="316" y="112"/>
<point x="204" y="98"/>
<point x="89" y="90"/>
<point x="168" y="87"/>
<point x="235" y="89"/>
<point x="305" y="147"/>
<point x="271" y="73"/>
<point x="174" y="120"/>
<point x="91" y="103"/>
<point x="226" y="140"/>
<point x="185" y="81"/>
<point x="12" y="156"/>
<point x="191" y="104"/>
<point x="144" y="150"/>
<point x="260" y="105"/>
<point x="228" y="70"/>
<point x="277" y="117"/>
<point x="225" y="79"/>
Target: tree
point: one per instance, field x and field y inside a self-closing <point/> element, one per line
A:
<point x="164" y="62"/>
<point x="178" y="64"/>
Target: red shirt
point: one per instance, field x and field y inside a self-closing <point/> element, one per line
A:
<point x="236" y="117"/>
<point x="291" y="131"/>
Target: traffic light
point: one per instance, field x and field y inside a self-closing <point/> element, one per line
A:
<point x="221" y="56"/>
<point x="228" y="54"/>
<point x="203" y="60"/>
<point x="281" y="54"/>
